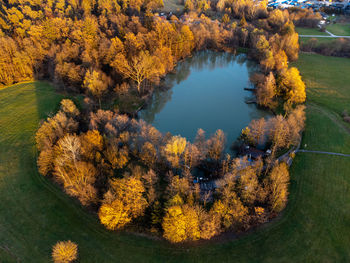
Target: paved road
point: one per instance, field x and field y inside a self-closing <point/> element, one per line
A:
<point x="321" y="152"/>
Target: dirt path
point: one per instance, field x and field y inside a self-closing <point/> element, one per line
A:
<point x="322" y="152"/>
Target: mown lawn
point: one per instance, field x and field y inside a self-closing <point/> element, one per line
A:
<point x="339" y="29"/>
<point x="320" y="40"/>
<point x="327" y="80"/>
<point x="313" y="228"/>
<point x="309" y="31"/>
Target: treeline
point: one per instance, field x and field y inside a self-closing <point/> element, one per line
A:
<point x="339" y="47"/>
<point x="131" y="174"/>
<point x="89" y="46"/>
<point x="281" y="132"/>
<point x="106" y="48"/>
<point x="305" y="17"/>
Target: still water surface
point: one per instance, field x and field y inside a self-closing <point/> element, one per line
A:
<point x="207" y="91"/>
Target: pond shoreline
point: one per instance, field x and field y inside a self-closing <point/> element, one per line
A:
<point x="227" y="73"/>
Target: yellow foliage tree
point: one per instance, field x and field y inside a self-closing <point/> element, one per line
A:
<point x="45" y="161"/>
<point x="91" y="142"/>
<point x="174" y="149"/>
<point x="69" y="107"/>
<point x="64" y="252"/>
<point x="230" y="210"/>
<point x="291" y="82"/>
<point x="148" y="154"/>
<point x="78" y="179"/>
<point x="114" y="215"/>
<point x="277" y="184"/>
<point x="123" y="202"/>
<point x="181" y="223"/>
<point x="96" y="83"/>
<point x="53" y="129"/>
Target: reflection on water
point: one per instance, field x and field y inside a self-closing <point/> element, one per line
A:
<point x="207" y="91"/>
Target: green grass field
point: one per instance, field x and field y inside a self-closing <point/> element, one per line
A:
<point x="339" y="29"/>
<point x="327" y="80"/>
<point x="309" y="31"/>
<point x="172" y="6"/>
<point x="313" y="228"/>
<point x="320" y="40"/>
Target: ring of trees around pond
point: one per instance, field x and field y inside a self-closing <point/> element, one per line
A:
<point x="122" y="168"/>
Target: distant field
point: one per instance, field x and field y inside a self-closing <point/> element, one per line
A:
<point x="309" y="31"/>
<point x="320" y="40"/>
<point x="172" y="6"/>
<point x="313" y="228"/>
<point x="339" y="29"/>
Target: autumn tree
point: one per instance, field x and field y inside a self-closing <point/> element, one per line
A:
<point x="68" y="107"/>
<point x="266" y="92"/>
<point x="114" y="215"/>
<point x="277" y="184"/>
<point x="78" y="180"/>
<point x="179" y="186"/>
<point x="216" y="145"/>
<point x="248" y="185"/>
<point x="181" y="223"/>
<point x="148" y="154"/>
<point x="96" y="83"/>
<point x="291" y="84"/>
<point x="296" y="121"/>
<point x="64" y="252"/>
<point x="116" y="156"/>
<point x="150" y="182"/>
<point x="281" y="60"/>
<point x="230" y="210"/>
<point x="191" y="156"/>
<point x="278" y="133"/>
<point x="174" y="150"/>
<point x="140" y="68"/>
<point x="201" y="143"/>
<point x="53" y="129"/>
<point x="256" y="131"/>
<point x="91" y="142"/>
<point x="123" y="202"/>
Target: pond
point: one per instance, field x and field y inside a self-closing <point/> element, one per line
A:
<point x="206" y="91"/>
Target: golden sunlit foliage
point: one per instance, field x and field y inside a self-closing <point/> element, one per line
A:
<point x="64" y="252"/>
<point x="174" y="150"/>
<point x="114" y="215"/>
<point x="277" y="185"/>
<point x="291" y="84"/>
<point x="123" y="202"/>
<point x="123" y="167"/>
<point x="68" y="107"/>
<point x="181" y="223"/>
<point x="142" y="67"/>
<point x="88" y="165"/>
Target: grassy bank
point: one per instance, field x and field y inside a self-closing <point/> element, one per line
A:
<point x="310" y="31"/>
<point x="313" y="228"/>
<point x="339" y="29"/>
<point x="327" y="80"/>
